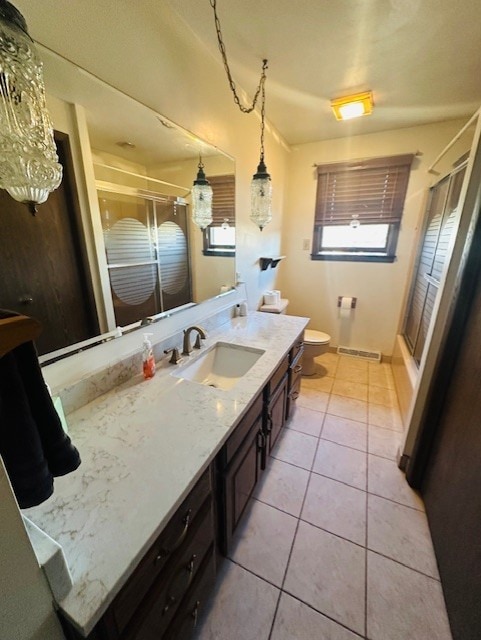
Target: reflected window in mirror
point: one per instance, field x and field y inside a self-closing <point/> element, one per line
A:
<point x="219" y="236"/>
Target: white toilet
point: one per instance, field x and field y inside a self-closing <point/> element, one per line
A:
<point x="315" y="342"/>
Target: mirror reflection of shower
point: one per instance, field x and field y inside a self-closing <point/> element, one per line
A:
<point x="147" y="249"/>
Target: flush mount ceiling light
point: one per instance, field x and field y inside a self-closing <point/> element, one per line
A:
<point x="201" y="199"/>
<point x="359" y="104"/>
<point x="261" y="187"/>
<point x="29" y="167"/>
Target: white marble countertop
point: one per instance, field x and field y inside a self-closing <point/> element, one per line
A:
<point x="143" y="447"/>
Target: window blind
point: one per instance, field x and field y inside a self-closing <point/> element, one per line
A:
<point x="371" y="191"/>
<point x="223" y="200"/>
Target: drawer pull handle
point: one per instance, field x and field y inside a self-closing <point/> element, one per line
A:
<point x="163" y="553"/>
<point x="261" y="440"/>
<point x="269" y="423"/>
<point x="195" y="613"/>
<point x="294" y="395"/>
<point x="298" y="368"/>
<point x="170" y="600"/>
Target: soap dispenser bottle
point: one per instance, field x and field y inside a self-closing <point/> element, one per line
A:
<point x="148" y="362"/>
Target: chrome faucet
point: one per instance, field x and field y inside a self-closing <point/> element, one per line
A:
<point x="201" y="334"/>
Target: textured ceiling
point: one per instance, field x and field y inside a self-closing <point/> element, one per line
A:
<point x="421" y="58"/>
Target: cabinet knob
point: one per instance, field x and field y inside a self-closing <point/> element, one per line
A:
<point x="298" y="368"/>
<point x="169" y="603"/>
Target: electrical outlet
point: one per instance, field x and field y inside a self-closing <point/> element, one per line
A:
<point x="306" y="244"/>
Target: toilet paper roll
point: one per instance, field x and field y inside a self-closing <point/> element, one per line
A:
<point x="270" y="297"/>
<point x="346" y="307"/>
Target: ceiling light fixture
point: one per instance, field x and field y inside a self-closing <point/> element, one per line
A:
<point x="261" y="187"/>
<point x="359" y="104"/>
<point x="29" y="167"/>
<point x="201" y="199"/>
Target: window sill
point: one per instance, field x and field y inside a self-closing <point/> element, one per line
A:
<point x="353" y="257"/>
<point x="219" y="252"/>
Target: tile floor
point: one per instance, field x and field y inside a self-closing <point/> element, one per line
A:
<point x="335" y="545"/>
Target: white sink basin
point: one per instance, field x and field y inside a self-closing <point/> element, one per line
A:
<point x="221" y="366"/>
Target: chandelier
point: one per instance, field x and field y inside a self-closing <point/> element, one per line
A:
<point x="29" y="167"/>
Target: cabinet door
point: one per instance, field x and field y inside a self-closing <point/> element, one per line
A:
<point x="276" y="415"/>
<point x="239" y="480"/>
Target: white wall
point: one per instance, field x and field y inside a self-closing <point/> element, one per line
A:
<point x="313" y="286"/>
<point x="26" y="611"/>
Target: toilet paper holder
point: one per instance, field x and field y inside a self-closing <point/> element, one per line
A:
<point x="353" y="301"/>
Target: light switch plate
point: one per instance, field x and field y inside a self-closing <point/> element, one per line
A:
<point x="306" y="244"/>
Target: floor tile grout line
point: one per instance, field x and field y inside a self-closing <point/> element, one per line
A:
<point x="336" y="535"/>
<point x="325" y="615"/>
<point x="295" y="535"/>
<point x="302" y="506"/>
<point x="347" y="446"/>
<point x="400" y="504"/>
<point x="403" y="564"/>
<point x="275" y="507"/>
<point x="323" y="475"/>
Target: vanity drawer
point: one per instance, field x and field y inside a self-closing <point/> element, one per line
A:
<point x="170" y="540"/>
<point x="193" y="606"/>
<point x="157" y="611"/>
<point x="232" y="445"/>
<point x="276" y="378"/>
<point x="297" y="346"/>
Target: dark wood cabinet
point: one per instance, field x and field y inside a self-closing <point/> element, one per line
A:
<point x="239" y="470"/>
<point x="275" y="397"/>
<point x="275" y="414"/>
<point x="294" y="375"/>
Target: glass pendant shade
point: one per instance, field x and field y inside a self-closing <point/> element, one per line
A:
<point x="261" y="196"/>
<point x="201" y="200"/>
<point x="29" y="167"/>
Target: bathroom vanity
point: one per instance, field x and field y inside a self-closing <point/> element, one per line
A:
<point x="168" y="468"/>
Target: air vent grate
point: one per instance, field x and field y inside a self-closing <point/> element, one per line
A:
<point x="359" y="353"/>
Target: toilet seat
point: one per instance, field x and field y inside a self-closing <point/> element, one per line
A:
<point x="316" y="337"/>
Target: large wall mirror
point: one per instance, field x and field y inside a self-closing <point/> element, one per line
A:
<point x="115" y="246"/>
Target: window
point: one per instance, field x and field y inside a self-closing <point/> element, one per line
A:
<point x="359" y="206"/>
<point x="219" y="236"/>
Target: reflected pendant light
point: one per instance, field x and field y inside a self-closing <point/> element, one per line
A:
<point x="201" y="199"/>
<point x="29" y="167"/>
<point x="261" y="187"/>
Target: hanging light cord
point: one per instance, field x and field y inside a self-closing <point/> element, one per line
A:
<point x="260" y="86"/>
<point x="263" y="115"/>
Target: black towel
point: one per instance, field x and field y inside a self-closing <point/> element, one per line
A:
<point x="33" y="444"/>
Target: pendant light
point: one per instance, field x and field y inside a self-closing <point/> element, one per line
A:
<point x="261" y="186"/>
<point x="29" y="167"/>
<point x="201" y="199"/>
